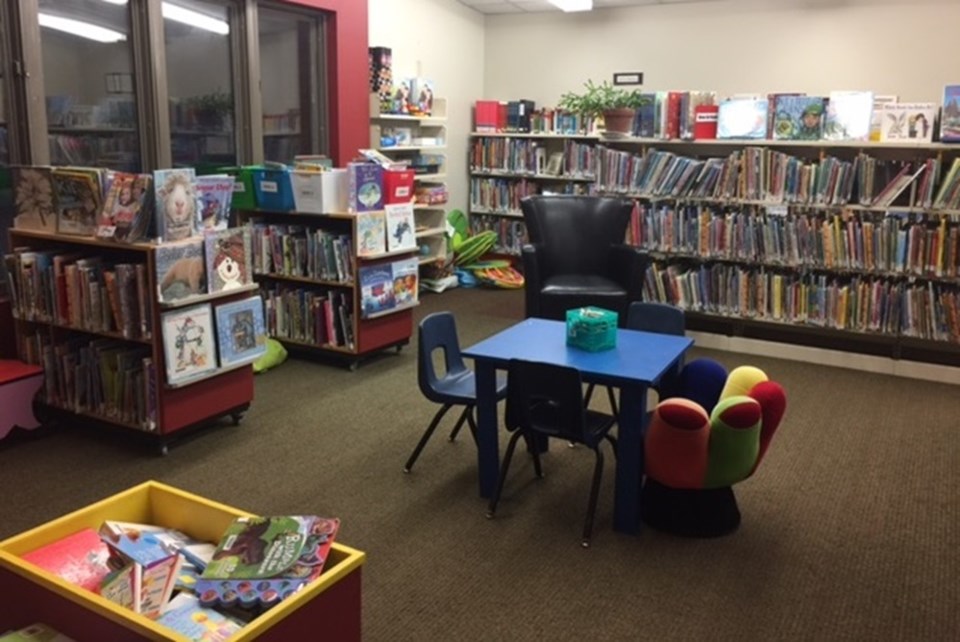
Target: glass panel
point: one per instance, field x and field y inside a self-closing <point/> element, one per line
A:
<point x="4" y="145"/>
<point x="201" y="95"/>
<point x="290" y="77"/>
<point x="88" y="81"/>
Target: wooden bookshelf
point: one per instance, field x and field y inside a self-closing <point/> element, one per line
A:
<point x="204" y="298"/>
<point x="167" y="409"/>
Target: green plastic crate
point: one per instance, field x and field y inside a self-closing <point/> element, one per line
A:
<point x="592" y="329"/>
<point x="243" y="195"/>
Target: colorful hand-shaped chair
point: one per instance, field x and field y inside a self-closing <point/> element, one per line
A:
<point x="693" y="455"/>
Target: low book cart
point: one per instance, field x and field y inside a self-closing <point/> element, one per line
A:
<point x="328" y="607"/>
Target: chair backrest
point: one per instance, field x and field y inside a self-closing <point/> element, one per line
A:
<point x="546" y="398"/>
<point x="655" y="317"/>
<point x="437" y="331"/>
<point x="576" y="232"/>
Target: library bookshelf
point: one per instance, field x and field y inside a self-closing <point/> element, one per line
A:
<point x="140" y="399"/>
<point x="421" y="142"/>
<point x="307" y="268"/>
<point x="329" y="606"/>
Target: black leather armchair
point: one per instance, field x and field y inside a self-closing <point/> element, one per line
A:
<point x="577" y="257"/>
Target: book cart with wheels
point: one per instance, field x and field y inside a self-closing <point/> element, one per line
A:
<point x="145" y="403"/>
<point x="328" y="608"/>
<point x="421" y="141"/>
<point x="849" y="245"/>
<point x="311" y="290"/>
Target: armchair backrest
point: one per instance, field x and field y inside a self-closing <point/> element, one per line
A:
<point x="545" y="398"/>
<point x="437" y="331"/>
<point x="576" y="232"/>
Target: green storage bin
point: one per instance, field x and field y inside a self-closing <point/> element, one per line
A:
<point x="592" y="329"/>
<point x="243" y="196"/>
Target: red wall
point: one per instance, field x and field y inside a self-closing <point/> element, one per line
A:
<point x="348" y="81"/>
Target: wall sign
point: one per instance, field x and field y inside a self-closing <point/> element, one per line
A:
<point x="628" y="78"/>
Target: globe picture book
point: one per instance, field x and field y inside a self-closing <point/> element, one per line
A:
<point x="241" y="337"/>
<point x="798" y="117"/>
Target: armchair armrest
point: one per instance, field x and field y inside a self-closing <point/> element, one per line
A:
<point x="532" y="277"/>
<point x="628" y="266"/>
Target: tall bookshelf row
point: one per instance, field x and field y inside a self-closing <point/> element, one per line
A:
<point x="852" y="245"/>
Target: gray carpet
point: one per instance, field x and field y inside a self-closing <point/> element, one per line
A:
<point x="850" y="528"/>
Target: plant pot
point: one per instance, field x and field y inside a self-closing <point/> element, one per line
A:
<point x="618" y="120"/>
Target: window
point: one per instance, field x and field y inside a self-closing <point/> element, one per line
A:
<point x="291" y="84"/>
<point x="4" y="138"/>
<point x="197" y="34"/>
<point x="89" y="83"/>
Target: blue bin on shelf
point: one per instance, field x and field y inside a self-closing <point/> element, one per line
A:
<point x="273" y="189"/>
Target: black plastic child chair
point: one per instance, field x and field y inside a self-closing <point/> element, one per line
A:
<point x="546" y="400"/>
<point x="456" y="387"/>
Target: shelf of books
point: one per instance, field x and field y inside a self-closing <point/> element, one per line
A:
<point x="154" y="562"/>
<point x="139" y="321"/>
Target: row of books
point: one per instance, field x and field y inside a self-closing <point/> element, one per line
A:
<point x="500" y="195"/>
<point x="511" y="234"/>
<point x="102" y="377"/>
<point x="670" y="114"/>
<point x="295" y="250"/>
<point x="526" y="156"/>
<point x="859" y="304"/>
<point x="902" y="245"/>
<point x="80" y="290"/>
<point x="314" y="317"/>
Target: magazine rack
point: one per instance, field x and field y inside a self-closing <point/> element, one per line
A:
<point x="330" y="605"/>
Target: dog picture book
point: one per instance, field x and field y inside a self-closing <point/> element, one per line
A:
<point x="400" y="227"/>
<point x="176" y="203"/>
<point x="229" y="259"/>
<point x="214" y="198"/>
<point x="181" y="272"/>
<point x="189" y="344"/>
<point x="241" y="337"/>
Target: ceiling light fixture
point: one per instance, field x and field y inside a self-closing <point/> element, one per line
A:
<point x="572" y="5"/>
<point x="80" y="28"/>
<point x="188" y="17"/>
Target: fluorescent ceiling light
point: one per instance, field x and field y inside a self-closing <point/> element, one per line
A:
<point x="188" y="17"/>
<point x="572" y="5"/>
<point x="79" y="28"/>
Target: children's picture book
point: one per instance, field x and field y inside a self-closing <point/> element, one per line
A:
<point x="180" y="270"/>
<point x="907" y="122"/>
<point x="78" y="200"/>
<point x="366" y="187"/>
<point x="848" y="115"/>
<point x="188" y="342"/>
<point x="185" y="615"/>
<point x="80" y="558"/>
<point x="263" y="560"/>
<point x="742" y="118"/>
<point x="34" y="199"/>
<point x="400" y="227"/>
<point x="405" y="281"/>
<point x="153" y="567"/>
<point x="229" y="259"/>
<point x="196" y="552"/>
<point x="798" y="117"/>
<point x="122" y="586"/>
<point x="950" y="116"/>
<point x="879" y="100"/>
<point x="124" y="207"/>
<point x="376" y="289"/>
<point x="214" y="198"/>
<point x="176" y="203"/>
<point x="241" y="336"/>
<point x="371" y="233"/>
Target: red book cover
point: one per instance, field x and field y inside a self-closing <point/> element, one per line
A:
<point x="485" y="116"/>
<point x="80" y="559"/>
<point x="705" y="122"/>
<point x="673" y="115"/>
<point x="398" y="186"/>
<point x="502" y="110"/>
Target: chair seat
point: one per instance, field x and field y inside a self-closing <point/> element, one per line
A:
<point x="577" y="284"/>
<point x="462" y="388"/>
<point x="598" y="424"/>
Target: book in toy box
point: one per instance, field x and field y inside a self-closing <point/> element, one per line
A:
<point x="147" y="569"/>
<point x="263" y="560"/>
<point x="185" y="615"/>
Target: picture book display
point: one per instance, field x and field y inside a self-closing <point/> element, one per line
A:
<point x="849" y="114"/>
<point x="371" y="233"/>
<point x="229" y="261"/>
<point x="879" y="101"/>
<point x="185" y="615"/>
<point x="366" y="187"/>
<point x="742" y="118"/>
<point x="78" y="200"/>
<point x="34" y="199"/>
<point x="125" y="214"/>
<point x="241" y="335"/>
<point x="180" y="270"/>
<point x="798" y="118"/>
<point x="80" y="558"/>
<point x="176" y="203"/>
<point x="263" y="560"/>
<point x="907" y="122"/>
<point x="189" y="344"/>
<point x="376" y="289"/>
<point x="214" y="198"/>
<point x="950" y="116"/>
<point x="400" y="227"/>
<point x="405" y="281"/>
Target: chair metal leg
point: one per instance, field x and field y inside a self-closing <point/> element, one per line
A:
<point x="588" y="395"/>
<point x="613" y="442"/>
<point x="492" y="509"/>
<point x="471" y="422"/>
<point x="537" y="469"/>
<point x="594" y="494"/>
<point x="426" y="436"/>
<point x="611" y="395"/>
<point x="459" y="424"/>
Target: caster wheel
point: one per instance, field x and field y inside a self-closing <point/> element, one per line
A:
<point x="164" y="450"/>
<point x="489" y="515"/>
<point x="399" y="349"/>
<point x="353" y="366"/>
<point x="237" y="417"/>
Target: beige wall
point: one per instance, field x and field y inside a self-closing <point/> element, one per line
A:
<point x="903" y="47"/>
<point x="443" y="41"/>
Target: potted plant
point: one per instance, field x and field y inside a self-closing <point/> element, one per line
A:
<point x="616" y="106"/>
<point x="211" y="110"/>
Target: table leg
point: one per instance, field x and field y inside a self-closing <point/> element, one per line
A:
<point x="626" y="498"/>
<point x="488" y="449"/>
